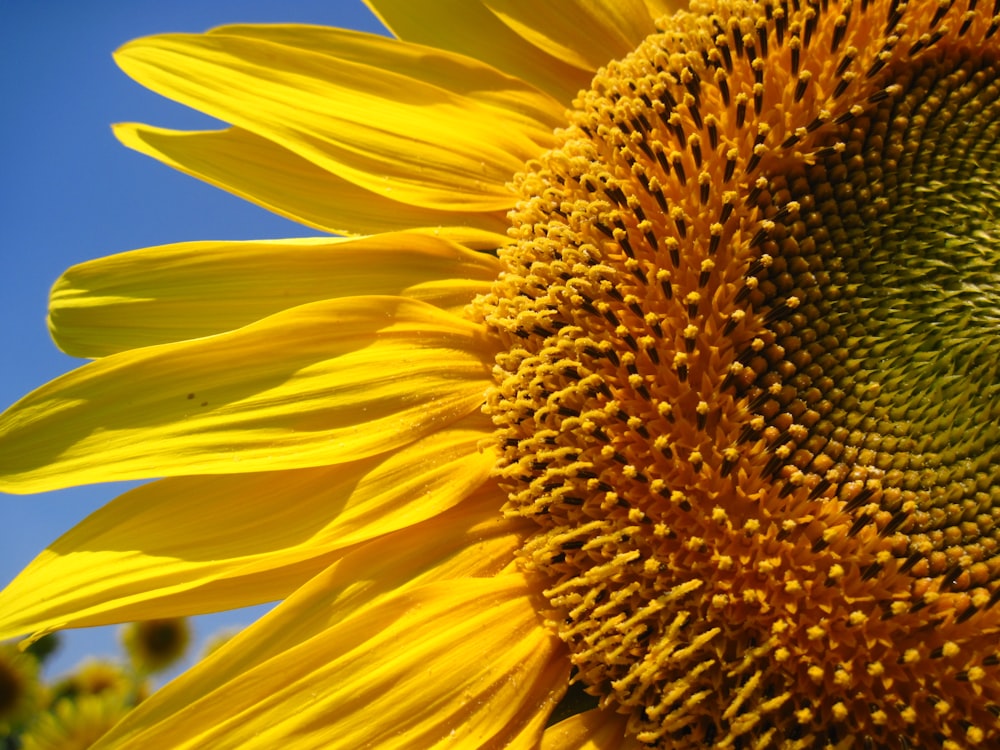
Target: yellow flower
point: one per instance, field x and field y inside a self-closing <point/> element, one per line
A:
<point x="99" y="677"/>
<point x="20" y="689"/>
<point x="75" y="723"/>
<point x="154" y="645"/>
<point x="684" y="389"/>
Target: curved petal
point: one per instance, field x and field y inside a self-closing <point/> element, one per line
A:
<point x="659" y="8"/>
<point x="319" y="384"/>
<point x="586" y="33"/>
<point x="317" y="624"/>
<point x="458" y="147"/>
<point x="462" y="663"/>
<point x="175" y="292"/>
<point x="469" y="28"/>
<point x="191" y="545"/>
<point x="466" y="75"/>
<point x="591" y="730"/>
<point x="281" y="181"/>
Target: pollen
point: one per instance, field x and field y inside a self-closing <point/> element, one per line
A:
<point x="748" y="389"/>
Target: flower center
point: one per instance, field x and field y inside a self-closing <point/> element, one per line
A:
<point x="749" y="380"/>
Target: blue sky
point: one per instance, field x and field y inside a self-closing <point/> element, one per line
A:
<point x="69" y="192"/>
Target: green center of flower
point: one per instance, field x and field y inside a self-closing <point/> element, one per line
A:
<point x="883" y="258"/>
<point x="749" y="383"/>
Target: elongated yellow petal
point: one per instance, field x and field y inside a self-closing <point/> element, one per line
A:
<point x="176" y="292"/>
<point x="659" y="8"/>
<point x="319" y="384"/>
<point x="280" y="180"/>
<point x="468" y="27"/>
<point x="591" y="730"/>
<point x="462" y="663"/>
<point x="191" y="545"/>
<point x="587" y="33"/>
<point x="466" y="75"/>
<point x="471" y="539"/>
<point x="392" y="133"/>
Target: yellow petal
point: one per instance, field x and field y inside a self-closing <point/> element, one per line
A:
<point x="468" y="27"/>
<point x="469" y="540"/>
<point x="590" y="730"/>
<point x="191" y="545"/>
<point x="271" y="176"/>
<point x="466" y="75"/>
<point x="472" y="539"/>
<point x="319" y="384"/>
<point x="463" y="663"/>
<point x="177" y="292"/>
<point x="457" y="147"/>
<point x="586" y="33"/>
<point x="659" y="8"/>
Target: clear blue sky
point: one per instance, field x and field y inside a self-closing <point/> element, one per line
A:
<point x="69" y="192"/>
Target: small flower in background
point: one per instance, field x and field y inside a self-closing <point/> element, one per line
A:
<point x="20" y="689"/>
<point x="75" y="723"/>
<point x="155" y="645"/>
<point x="650" y="400"/>
<point x="74" y="710"/>
<point x="97" y="677"/>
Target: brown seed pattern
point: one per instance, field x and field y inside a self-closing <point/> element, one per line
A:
<point x="749" y="386"/>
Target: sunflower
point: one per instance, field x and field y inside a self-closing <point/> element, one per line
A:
<point x="75" y="723"/>
<point x="95" y="677"/>
<point x="659" y="359"/>
<point x="154" y="645"/>
<point x="21" y="690"/>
